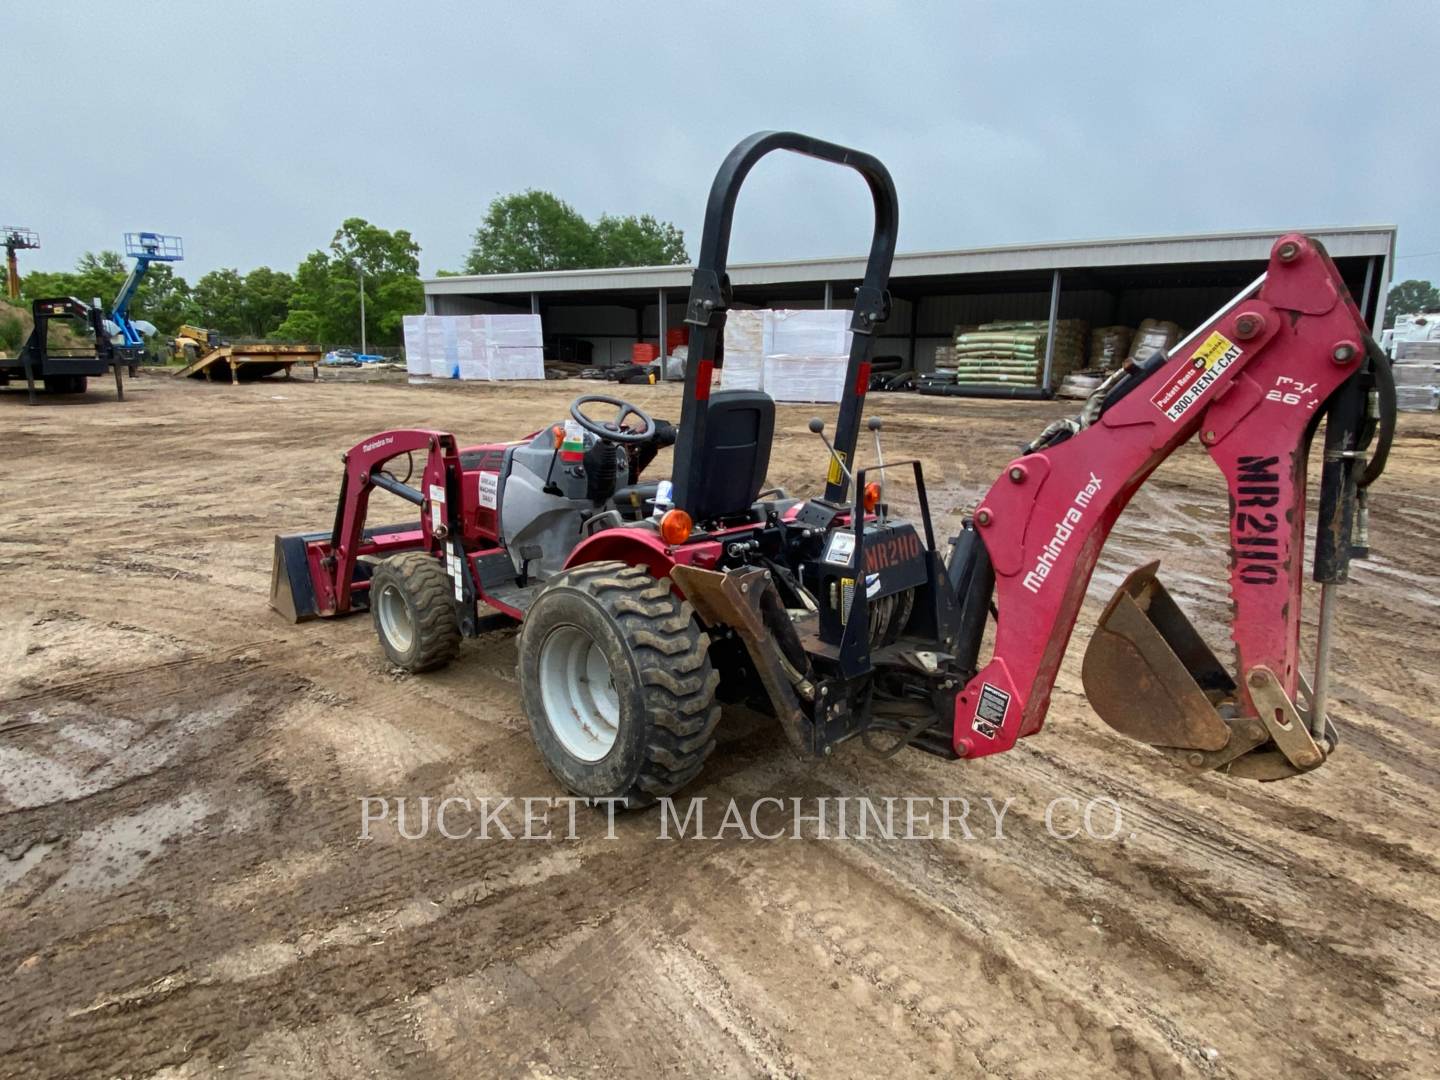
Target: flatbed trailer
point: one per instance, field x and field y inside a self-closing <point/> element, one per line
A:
<point x="64" y="371"/>
<point x="241" y="363"/>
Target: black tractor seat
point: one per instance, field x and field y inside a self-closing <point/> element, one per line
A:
<point x="739" y="428"/>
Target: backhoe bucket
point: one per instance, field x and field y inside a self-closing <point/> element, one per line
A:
<point x="1150" y="676"/>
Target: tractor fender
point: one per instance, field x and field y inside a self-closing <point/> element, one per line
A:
<point x="641" y="547"/>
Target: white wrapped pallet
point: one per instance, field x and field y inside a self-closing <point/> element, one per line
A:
<point x="514" y="331"/>
<point x="515" y="362"/>
<point x="1417" y="398"/>
<point x="471" y="339"/>
<point x="417" y="363"/>
<point x="442" y="344"/>
<point x="744" y="351"/>
<point x="806" y="353"/>
<point x="1416" y="373"/>
<point x="805" y="378"/>
<point x="805" y="332"/>
<point x="742" y="372"/>
<point x="1416" y="350"/>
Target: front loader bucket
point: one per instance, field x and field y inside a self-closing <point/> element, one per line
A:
<point x="292" y="593"/>
<point x="1150" y="676"/>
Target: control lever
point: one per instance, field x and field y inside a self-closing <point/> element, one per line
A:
<point x="874" y="425"/>
<point x="817" y="427"/>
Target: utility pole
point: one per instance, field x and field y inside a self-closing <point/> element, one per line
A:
<point x="361" y="270"/>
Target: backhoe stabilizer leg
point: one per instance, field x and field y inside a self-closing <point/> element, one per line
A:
<point x="736" y="600"/>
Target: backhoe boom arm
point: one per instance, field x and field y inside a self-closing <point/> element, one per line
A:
<point x="1252" y="383"/>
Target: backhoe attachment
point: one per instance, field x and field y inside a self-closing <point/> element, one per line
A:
<point x="1253" y="384"/>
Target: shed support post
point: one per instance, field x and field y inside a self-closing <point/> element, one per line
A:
<point x="829" y="296"/>
<point x="1384" y="292"/>
<point x="914" y="323"/>
<point x="664" y="331"/>
<point x="1365" y="292"/>
<point x="1050" y="330"/>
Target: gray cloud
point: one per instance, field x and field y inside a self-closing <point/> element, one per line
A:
<point x="253" y="128"/>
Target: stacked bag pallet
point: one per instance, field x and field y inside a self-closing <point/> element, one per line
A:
<point x="483" y="347"/>
<point x="1014" y="352"/>
<point x="793" y="355"/>
<point x="1152" y="336"/>
<point x="1109" y="345"/>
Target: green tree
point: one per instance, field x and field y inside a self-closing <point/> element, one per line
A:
<point x="266" y="300"/>
<point x="12" y="331"/>
<point x="535" y="230"/>
<point x="639" y="241"/>
<point x="1409" y="298"/>
<point x="250" y="305"/>
<point x="163" y="298"/>
<point x="325" y="304"/>
<point x="220" y="301"/>
<point x="531" y="230"/>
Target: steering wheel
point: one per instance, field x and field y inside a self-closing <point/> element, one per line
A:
<point x="611" y="430"/>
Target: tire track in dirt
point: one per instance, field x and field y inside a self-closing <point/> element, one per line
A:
<point x="1289" y="927"/>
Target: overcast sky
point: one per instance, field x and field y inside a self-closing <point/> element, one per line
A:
<point x="254" y="128"/>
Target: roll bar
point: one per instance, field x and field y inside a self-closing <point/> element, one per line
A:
<point x="710" y="298"/>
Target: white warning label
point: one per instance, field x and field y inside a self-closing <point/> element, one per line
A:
<point x="489" y="489"/>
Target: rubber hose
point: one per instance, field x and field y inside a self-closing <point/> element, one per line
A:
<point x="1385" y="384"/>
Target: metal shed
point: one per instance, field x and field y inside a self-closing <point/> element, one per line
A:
<point x="1179" y="278"/>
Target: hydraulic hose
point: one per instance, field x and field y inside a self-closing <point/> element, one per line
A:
<point x="1385" y="435"/>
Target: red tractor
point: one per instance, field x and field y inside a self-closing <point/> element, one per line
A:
<point x="637" y="597"/>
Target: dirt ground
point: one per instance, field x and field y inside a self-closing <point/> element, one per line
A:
<point x="185" y="889"/>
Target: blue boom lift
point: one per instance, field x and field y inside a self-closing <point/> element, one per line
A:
<point x="145" y="248"/>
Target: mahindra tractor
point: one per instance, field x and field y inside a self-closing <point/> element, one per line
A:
<point x="638" y="597"/>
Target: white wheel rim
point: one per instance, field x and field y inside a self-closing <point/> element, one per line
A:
<point x="395" y="621"/>
<point x="581" y="705"/>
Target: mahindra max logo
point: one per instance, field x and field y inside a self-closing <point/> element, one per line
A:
<point x="1064" y="529"/>
<point x="377" y="444"/>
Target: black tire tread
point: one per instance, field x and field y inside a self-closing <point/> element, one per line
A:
<point x="422" y="577"/>
<point x="672" y="655"/>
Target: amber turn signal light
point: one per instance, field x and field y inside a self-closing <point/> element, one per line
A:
<point x="676" y="526"/>
<point x="872" y="496"/>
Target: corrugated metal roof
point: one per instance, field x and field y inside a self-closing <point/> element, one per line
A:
<point x="1253" y="245"/>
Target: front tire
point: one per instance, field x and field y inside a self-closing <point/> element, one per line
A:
<point x="412" y="611"/>
<point x="616" y="679"/>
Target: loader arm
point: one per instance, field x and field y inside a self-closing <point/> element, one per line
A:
<point x="1252" y="383"/>
<point x="317" y="574"/>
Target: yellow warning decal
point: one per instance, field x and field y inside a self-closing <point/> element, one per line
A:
<point x="1213" y="349"/>
<point x="834" y="476"/>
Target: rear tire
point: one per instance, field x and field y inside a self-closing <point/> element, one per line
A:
<point x="413" y="613"/>
<point x="646" y="730"/>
